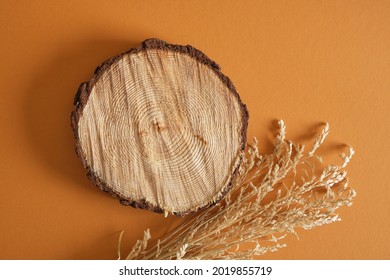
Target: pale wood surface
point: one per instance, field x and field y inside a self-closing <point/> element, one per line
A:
<point x="162" y="129"/>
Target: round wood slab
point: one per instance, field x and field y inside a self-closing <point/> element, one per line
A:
<point x="160" y="128"/>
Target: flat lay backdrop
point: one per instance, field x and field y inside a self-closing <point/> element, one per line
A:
<point x="305" y="62"/>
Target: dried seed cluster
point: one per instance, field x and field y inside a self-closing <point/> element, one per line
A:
<point x="273" y="195"/>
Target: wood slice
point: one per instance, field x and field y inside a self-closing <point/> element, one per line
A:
<point x="160" y="128"/>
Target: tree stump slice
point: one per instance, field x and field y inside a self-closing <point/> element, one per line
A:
<point x="160" y="128"/>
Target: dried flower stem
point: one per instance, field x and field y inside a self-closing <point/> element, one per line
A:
<point x="272" y="195"/>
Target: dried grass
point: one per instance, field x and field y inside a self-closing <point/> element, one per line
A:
<point x="272" y="196"/>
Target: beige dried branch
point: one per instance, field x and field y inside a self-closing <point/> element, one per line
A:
<point x="273" y="195"/>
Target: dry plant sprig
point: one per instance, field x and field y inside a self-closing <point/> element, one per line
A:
<point x="273" y="195"/>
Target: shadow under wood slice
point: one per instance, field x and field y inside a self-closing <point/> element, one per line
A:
<point x="160" y="128"/>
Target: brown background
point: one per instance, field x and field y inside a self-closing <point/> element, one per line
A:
<point x="303" y="61"/>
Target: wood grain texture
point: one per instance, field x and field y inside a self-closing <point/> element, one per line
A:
<point x="160" y="128"/>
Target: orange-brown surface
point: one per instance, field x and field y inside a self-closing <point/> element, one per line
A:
<point x="303" y="61"/>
